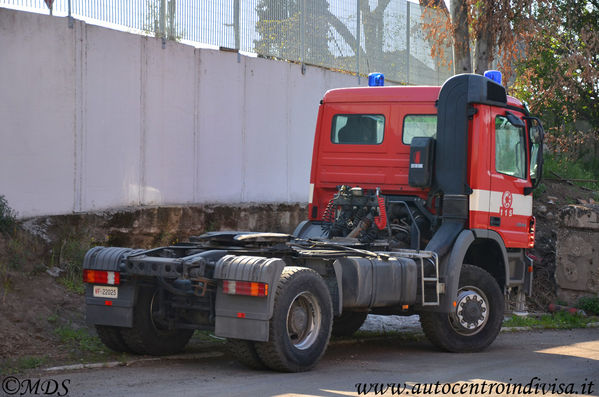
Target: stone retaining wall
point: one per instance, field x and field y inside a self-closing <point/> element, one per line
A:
<point x="577" y="252"/>
<point x="145" y="227"/>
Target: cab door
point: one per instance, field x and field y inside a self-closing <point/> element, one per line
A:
<point x="510" y="209"/>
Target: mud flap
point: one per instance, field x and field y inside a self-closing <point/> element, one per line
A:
<point x="240" y="316"/>
<point x="116" y="312"/>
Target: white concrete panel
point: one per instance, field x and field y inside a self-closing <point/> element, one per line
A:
<point x="36" y="118"/>
<point x="266" y="125"/>
<point x="220" y="109"/>
<point x="112" y="125"/>
<point x="95" y="119"/>
<point x="305" y="93"/>
<point x="168" y="95"/>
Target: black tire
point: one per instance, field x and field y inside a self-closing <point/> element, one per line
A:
<point x="147" y="338"/>
<point x="476" y="320"/>
<point x="348" y="323"/>
<point x="112" y="338"/>
<point x="300" y="327"/>
<point x="245" y="352"/>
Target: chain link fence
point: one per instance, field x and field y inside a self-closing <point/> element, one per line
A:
<point x="356" y="36"/>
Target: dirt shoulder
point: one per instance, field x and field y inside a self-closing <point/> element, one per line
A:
<point x="33" y="307"/>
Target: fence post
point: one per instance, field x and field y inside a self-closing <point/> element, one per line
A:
<point x="236" y="24"/>
<point x="162" y="22"/>
<point x="303" y="36"/>
<point x="69" y="15"/>
<point x="408" y="22"/>
<point x="358" y="40"/>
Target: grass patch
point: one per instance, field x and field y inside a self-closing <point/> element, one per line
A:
<point x="79" y="338"/>
<point x="18" y="365"/>
<point x="558" y="320"/>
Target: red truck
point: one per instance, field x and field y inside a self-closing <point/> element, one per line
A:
<point x="420" y="203"/>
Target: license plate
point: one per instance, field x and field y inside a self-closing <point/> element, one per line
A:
<point x="101" y="291"/>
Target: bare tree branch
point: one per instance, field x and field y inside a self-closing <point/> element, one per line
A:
<point x="343" y="31"/>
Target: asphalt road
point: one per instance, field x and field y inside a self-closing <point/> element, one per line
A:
<point x="566" y="361"/>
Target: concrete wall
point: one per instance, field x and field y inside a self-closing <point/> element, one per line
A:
<point x="92" y="118"/>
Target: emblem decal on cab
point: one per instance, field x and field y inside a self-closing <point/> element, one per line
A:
<point x="506" y="204"/>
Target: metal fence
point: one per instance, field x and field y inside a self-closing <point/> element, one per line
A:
<point x="357" y="36"/>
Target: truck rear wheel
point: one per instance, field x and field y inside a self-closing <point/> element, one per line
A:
<point x="245" y="352"/>
<point x="476" y="319"/>
<point x="112" y="338"/>
<point x="300" y="327"/>
<point x="147" y="336"/>
<point x="348" y="323"/>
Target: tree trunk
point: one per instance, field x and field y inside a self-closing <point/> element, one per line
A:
<point x="461" y="48"/>
<point x="373" y="30"/>
<point x="483" y="53"/>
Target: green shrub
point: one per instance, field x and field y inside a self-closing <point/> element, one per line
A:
<point x="8" y="217"/>
<point x="590" y="304"/>
<point x="68" y="254"/>
<point x="568" y="169"/>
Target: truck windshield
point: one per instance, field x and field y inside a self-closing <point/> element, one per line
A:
<point x="358" y="129"/>
<point x="419" y="125"/>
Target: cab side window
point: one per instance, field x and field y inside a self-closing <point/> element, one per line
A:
<point x="358" y="129"/>
<point x="419" y="125"/>
<point x="510" y="148"/>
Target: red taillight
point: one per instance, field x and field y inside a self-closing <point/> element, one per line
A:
<point x="248" y="288"/>
<point x="101" y="277"/>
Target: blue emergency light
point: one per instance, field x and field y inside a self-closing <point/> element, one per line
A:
<point x="494" y="75"/>
<point x="376" y="80"/>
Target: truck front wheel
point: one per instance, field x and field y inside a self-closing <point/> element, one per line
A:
<point x="147" y="336"/>
<point x="300" y="327"/>
<point x="476" y="318"/>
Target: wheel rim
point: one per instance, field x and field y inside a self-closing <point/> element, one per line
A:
<point x="471" y="312"/>
<point x="303" y="320"/>
<point x="154" y="309"/>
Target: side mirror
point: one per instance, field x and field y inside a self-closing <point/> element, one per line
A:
<point x="515" y="121"/>
<point x="536" y="135"/>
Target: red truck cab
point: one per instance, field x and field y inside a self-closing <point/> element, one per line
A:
<point x="363" y="138"/>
